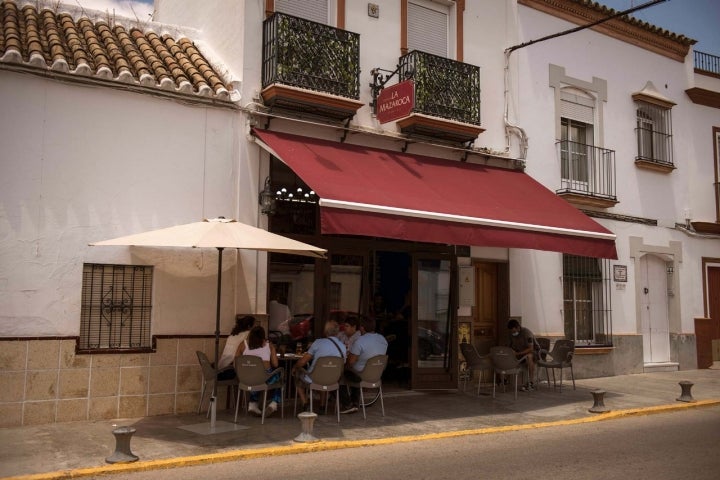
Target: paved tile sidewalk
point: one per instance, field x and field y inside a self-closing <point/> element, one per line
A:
<point x="48" y="449"/>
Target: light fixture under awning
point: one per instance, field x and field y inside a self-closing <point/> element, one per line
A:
<point x="381" y="193"/>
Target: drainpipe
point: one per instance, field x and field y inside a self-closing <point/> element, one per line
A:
<point x="511" y="129"/>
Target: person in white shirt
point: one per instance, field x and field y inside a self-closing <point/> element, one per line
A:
<point x="243" y="324"/>
<point x="279" y="316"/>
<point x="350" y="332"/>
<point x="258" y="345"/>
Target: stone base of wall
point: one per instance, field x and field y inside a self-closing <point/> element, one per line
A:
<point x="45" y="381"/>
<point x="625" y="357"/>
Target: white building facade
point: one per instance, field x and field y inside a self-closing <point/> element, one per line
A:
<point x="616" y="120"/>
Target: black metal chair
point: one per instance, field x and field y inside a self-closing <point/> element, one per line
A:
<point x="559" y="357"/>
<point x="505" y="363"/>
<point x="475" y="362"/>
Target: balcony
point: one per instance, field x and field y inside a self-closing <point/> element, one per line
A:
<point x="447" y="98"/>
<point x="706" y="86"/>
<point x="587" y="175"/>
<point x="706" y="63"/>
<point x="309" y="68"/>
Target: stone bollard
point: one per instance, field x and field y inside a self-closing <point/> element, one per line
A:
<point x="306" y="422"/>
<point x="685" y="395"/>
<point x="122" y="452"/>
<point x="599" y="405"/>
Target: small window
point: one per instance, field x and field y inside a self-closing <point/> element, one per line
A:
<point x="586" y="292"/>
<point x="654" y="133"/>
<point x="314" y="10"/>
<point x="428" y="27"/>
<point x="116" y="307"/>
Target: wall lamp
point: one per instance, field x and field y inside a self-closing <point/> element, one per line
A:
<point x="266" y="199"/>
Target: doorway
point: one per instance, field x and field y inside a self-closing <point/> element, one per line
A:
<point x="708" y="329"/>
<point x="654" y="319"/>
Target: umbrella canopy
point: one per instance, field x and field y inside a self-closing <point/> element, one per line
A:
<point x="219" y="233"/>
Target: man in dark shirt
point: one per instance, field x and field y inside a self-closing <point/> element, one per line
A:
<point x="522" y="341"/>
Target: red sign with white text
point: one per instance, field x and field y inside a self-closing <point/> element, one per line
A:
<point x="396" y="101"/>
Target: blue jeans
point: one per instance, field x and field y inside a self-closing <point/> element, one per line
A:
<point x="276" y="394"/>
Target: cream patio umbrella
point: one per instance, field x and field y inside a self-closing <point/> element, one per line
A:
<point x="219" y="233"/>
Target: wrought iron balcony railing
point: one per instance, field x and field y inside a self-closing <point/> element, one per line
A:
<point x="310" y="55"/>
<point x="707" y="63"/>
<point x="443" y="88"/>
<point x="587" y="170"/>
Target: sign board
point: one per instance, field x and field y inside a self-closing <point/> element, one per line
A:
<point x="620" y="273"/>
<point x="396" y="101"/>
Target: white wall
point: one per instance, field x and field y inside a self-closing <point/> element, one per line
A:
<point x="82" y="164"/>
<point x="535" y="287"/>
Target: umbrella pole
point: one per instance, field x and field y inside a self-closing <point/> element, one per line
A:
<point x="213" y="398"/>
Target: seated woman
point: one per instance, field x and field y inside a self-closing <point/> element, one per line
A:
<point x="258" y="345"/>
<point x="238" y="335"/>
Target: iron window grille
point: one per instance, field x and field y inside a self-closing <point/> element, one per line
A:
<point x="443" y="88"/>
<point x="654" y="133"/>
<point x="306" y="54"/>
<point x="116" y="307"/>
<point x="587" y="309"/>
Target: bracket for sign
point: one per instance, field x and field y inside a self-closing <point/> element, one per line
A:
<point x="345" y="131"/>
<point x="379" y="80"/>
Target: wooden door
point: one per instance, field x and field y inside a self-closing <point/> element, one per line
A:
<point x="708" y="329"/>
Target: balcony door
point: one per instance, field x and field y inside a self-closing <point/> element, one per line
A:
<point x="575" y="154"/>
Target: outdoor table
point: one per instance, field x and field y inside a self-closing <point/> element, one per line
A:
<point x="288" y="360"/>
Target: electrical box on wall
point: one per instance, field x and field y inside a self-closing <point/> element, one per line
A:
<point x="466" y="277"/>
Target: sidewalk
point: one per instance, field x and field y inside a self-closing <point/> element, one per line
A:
<point x="79" y="449"/>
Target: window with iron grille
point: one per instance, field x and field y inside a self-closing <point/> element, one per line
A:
<point x="116" y="307"/>
<point x="587" y="309"/>
<point x="654" y="133"/>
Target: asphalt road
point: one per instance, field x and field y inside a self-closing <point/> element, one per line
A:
<point x="677" y="445"/>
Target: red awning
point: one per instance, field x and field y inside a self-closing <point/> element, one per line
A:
<point x="381" y="193"/>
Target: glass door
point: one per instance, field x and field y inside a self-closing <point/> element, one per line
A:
<point x="434" y="324"/>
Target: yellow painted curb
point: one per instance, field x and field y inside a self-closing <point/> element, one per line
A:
<point x="337" y="445"/>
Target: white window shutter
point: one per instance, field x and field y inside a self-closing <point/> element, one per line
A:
<point x="427" y="30"/>
<point x="315" y="10"/>
<point x="577" y="108"/>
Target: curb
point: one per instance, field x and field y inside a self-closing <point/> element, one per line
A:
<point x="294" y="449"/>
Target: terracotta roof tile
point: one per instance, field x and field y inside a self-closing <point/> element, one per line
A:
<point x="51" y="37"/>
<point x="639" y="23"/>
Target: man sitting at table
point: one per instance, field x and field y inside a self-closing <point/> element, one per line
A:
<point x="367" y="346"/>
<point x="328" y="346"/>
<point x="522" y="340"/>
